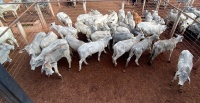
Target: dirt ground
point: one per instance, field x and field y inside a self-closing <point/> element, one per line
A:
<point x="100" y="82"/>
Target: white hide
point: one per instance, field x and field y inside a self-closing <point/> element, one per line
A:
<point x="8" y="35"/>
<point x="165" y="45"/>
<point x="4" y="52"/>
<point x="64" y="18"/>
<point x="124" y="46"/>
<point x="90" y="48"/>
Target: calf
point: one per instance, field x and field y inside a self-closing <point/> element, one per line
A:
<point x="64" y="18"/>
<point x="8" y="35"/>
<point x="92" y="47"/>
<point x="33" y="49"/>
<point x="4" y="52"/>
<point x="140" y="47"/>
<point x="164" y="45"/>
<point x="48" y="39"/>
<point x="124" y="46"/>
<point x="51" y="59"/>
<point x="38" y="60"/>
<point x="185" y="64"/>
<point x="150" y="28"/>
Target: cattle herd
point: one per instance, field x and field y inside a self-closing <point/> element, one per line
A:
<point x="123" y="32"/>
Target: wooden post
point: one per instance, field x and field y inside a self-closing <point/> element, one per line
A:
<point x="175" y="24"/>
<point x="191" y="3"/>
<point x="197" y="64"/>
<point x="1" y="24"/>
<point x="58" y="3"/>
<point x="122" y="6"/>
<point x="84" y="6"/>
<point x="22" y="32"/>
<point x="158" y="5"/>
<point x="43" y="22"/>
<point x="144" y="2"/>
<point x="51" y="9"/>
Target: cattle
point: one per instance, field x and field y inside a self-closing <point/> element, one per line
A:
<point x="8" y="35"/>
<point x="64" y="18"/>
<point x="33" y="49"/>
<point x="4" y="52"/>
<point x="150" y="28"/>
<point x="184" y="67"/>
<point x="63" y="31"/>
<point x="124" y="46"/>
<point x="90" y="48"/>
<point x="51" y="59"/>
<point x="140" y="47"/>
<point x="165" y="45"/>
<point x="38" y="60"/>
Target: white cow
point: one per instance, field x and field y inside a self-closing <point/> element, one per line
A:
<point x="4" y="52"/>
<point x="140" y="47"/>
<point x="150" y="28"/>
<point x="124" y="46"/>
<point x="63" y="31"/>
<point x="39" y="60"/>
<point x="164" y="45"/>
<point x="185" y="64"/>
<point x="33" y="49"/>
<point x="8" y="7"/>
<point x="8" y="35"/>
<point x="48" y="39"/>
<point x="187" y="22"/>
<point x="64" y="18"/>
<point x="90" y="48"/>
<point x="51" y="59"/>
<point x="73" y="42"/>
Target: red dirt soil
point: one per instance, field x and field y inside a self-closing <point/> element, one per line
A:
<point x="100" y="81"/>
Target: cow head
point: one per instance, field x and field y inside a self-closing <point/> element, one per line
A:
<point x="183" y="26"/>
<point x="35" y="62"/>
<point x="5" y="46"/>
<point x="183" y="77"/>
<point x="162" y="29"/>
<point x="52" y="25"/>
<point x="179" y="38"/>
<point x="47" y="68"/>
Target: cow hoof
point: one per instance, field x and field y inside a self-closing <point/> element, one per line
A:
<point x="170" y="83"/>
<point x="60" y="77"/>
<point x="180" y="91"/>
<point x="169" y="61"/>
<point x="149" y="63"/>
<point x="124" y="71"/>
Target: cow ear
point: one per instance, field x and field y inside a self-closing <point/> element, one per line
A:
<point x="188" y="79"/>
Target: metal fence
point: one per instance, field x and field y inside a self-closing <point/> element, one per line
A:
<point x="35" y="19"/>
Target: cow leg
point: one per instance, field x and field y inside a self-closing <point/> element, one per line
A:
<point x="99" y="54"/>
<point x="67" y="55"/>
<point x="15" y="41"/>
<point x="116" y="57"/>
<point x="180" y="89"/>
<point x="170" y="53"/>
<point x="104" y="51"/>
<point x="9" y="59"/>
<point x="137" y="57"/>
<point x="85" y="62"/>
<point x="175" y="77"/>
<point x="54" y="65"/>
<point x="114" y="54"/>
<point x="129" y="58"/>
<point x="80" y="63"/>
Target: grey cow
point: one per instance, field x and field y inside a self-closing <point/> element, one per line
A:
<point x="185" y="64"/>
<point x="164" y="45"/>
